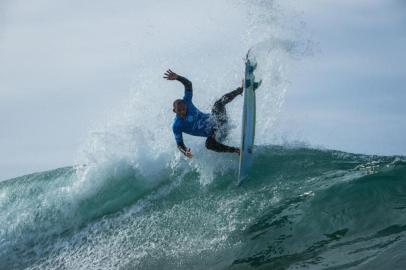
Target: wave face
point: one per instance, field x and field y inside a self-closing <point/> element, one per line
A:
<point x="301" y="208"/>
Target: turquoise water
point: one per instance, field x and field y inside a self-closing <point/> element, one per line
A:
<point x="301" y="209"/>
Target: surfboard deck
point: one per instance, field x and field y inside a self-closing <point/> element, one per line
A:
<point x="248" y="120"/>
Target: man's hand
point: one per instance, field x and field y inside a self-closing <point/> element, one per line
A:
<point x="170" y="75"/>
<point x="188" y="153"/>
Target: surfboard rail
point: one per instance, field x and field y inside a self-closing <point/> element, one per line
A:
<point x="248" y="120"/>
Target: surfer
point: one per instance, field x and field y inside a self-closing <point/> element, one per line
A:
<point x="191" y="121"/>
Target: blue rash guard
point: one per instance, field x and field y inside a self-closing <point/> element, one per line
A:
<point x="196" y="122"/>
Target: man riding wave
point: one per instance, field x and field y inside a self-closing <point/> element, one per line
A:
<point x="191" y="121"/>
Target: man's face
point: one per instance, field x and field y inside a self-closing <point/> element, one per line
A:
<point x="180" y="108"/>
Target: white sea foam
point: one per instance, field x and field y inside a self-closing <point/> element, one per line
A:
<point x="212" y="57"/>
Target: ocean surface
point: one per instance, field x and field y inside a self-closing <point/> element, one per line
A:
<point x="301" y="208"/>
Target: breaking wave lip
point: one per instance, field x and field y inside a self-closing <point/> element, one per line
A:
<point x="301" y="206"/>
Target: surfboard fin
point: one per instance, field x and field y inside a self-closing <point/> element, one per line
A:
<point x="257" y="84"/>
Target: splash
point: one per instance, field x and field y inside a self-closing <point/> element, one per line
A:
<point x="140" y="135"/>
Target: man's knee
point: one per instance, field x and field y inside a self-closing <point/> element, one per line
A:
<point x="218" y="108"/>
<point x="219" y="104"/>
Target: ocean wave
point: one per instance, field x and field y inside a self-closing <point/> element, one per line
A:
<point x="301" y="207"/>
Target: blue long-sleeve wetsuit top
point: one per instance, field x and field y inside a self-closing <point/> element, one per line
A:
<point x="196" y="122"/>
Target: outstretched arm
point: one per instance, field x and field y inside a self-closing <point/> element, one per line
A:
<point x="179" y="141"/>
<point x="170" y="75"/>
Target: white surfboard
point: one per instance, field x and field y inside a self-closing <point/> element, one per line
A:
<point x="248" y="121"/>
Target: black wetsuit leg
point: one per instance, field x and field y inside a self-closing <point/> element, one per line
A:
<point x="214" y="145"/>
<point x="219" y="109"/>
<point x="219" y="115"/>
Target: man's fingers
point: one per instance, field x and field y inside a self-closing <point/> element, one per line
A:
<point x="170" y="75"/>
<point x="167" y="74"/>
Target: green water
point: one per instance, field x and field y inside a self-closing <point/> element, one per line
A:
<point x="300" y="209"/>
